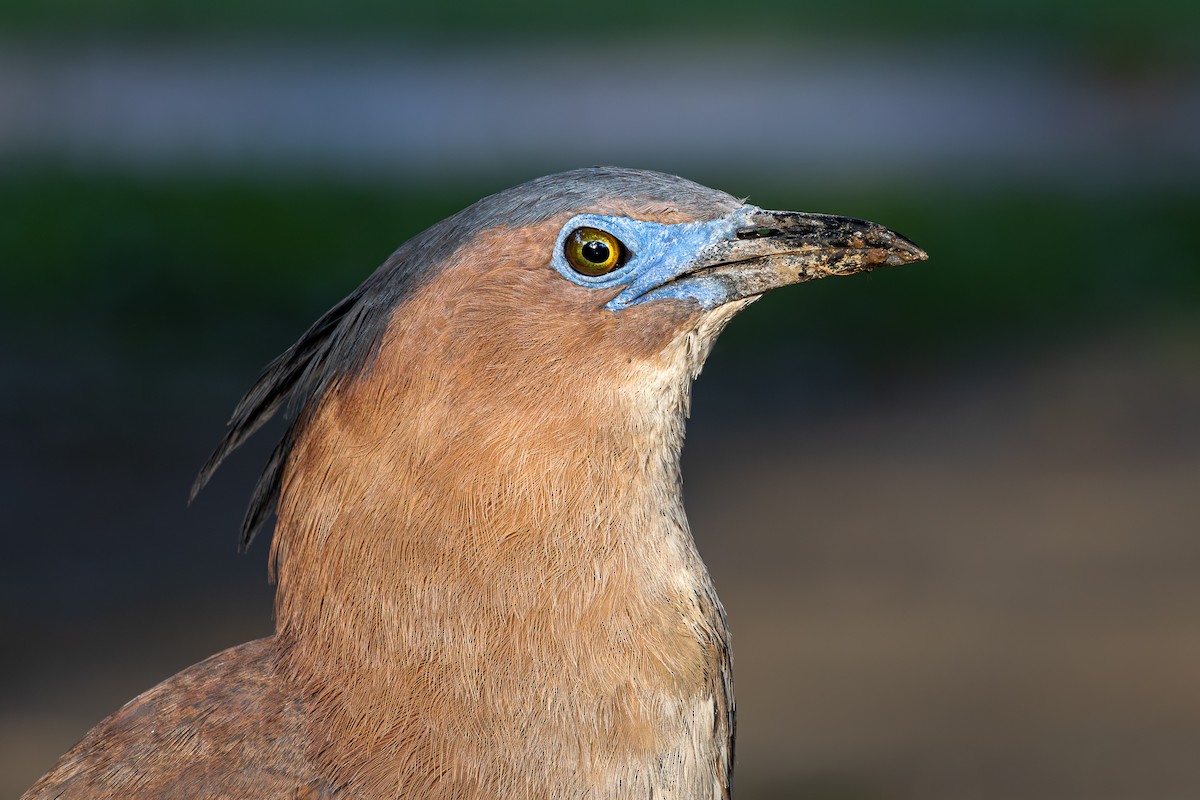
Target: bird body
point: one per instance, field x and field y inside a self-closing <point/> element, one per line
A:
<point x="486" y="582"/>
<point x="224" y="728"/>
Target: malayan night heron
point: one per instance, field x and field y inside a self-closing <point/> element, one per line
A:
<point x="486" y="583"/>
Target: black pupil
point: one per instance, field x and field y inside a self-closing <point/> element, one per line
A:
<point x="595" y="251"/>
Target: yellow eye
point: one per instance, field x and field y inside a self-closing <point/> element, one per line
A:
<point x="592" y="251"/>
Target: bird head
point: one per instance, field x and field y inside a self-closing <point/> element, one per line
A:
<point x="570" y="300"/>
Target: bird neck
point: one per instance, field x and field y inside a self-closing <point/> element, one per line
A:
<point x="501" y="578"/>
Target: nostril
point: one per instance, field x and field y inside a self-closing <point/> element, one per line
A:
<point x="757" y="233"/>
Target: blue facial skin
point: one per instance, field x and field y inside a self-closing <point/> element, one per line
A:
<point x="658" y="253"/>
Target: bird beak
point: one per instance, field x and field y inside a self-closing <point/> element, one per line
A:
<point x="746" y="253"/>
<point x="769" y="249"/>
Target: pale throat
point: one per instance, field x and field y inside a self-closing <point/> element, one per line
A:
<point x="660" y="390"/>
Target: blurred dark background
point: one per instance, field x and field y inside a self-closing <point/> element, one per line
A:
<point x="953" y="509"/>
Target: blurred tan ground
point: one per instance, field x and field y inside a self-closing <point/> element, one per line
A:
<point x="957" y="588"/>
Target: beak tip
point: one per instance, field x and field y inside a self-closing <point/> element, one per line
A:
<point x="895" y="248"/>
<point x="905" y="251"/>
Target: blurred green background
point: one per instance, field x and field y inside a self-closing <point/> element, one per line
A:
<point x="952" y="509"/>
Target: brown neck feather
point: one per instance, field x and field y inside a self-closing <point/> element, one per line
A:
<point x="486" y="580"/>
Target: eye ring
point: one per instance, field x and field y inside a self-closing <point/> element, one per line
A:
<point x="593" y="252"/>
